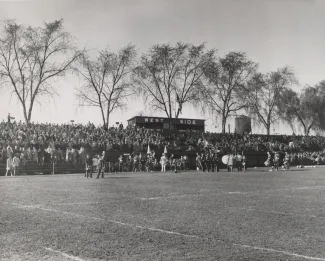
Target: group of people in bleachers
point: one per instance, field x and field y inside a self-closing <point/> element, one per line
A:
<point x="40" y="156"/>
<point x="132" y="139"/>
<point x="45" y="143"/>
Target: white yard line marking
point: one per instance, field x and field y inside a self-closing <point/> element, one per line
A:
<point x="23" y="206"/>
<point x="63" y="254"/>
<point x="297" y="197"/>
<point x="280" y="252"/>
<point x="301" y="188"/>
<point x="75" y="203"/>
<point x="111" y="221"/>
<point x="195" y="195"/>
<point x="166" y="197"/>
<point x="152" y="198"/>
<point x="271" y="190"/>
<point x="171" y="233"/>
<point x="282" y="213"/>
<point x="234" y="193"/>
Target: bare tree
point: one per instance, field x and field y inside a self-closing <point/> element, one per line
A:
<point x="223" y="93"/>
<point x="265" y="94"/>
<point x="306" y="109"/>
<point x="289" y="107"/>
<point x="32" y="57"/>
<point x="168" y="74"/>
<point x="107" y="80"/>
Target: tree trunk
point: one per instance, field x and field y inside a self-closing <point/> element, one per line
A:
<point x="30" y="112"/>
<point x="107" y="118"/>
<point x="170" y="114"/>
<point x="308" y="129"/>
<point x="224" y="122"/>
<point x="177" y="113"/>
<point x="224" y="117"/>
<point x="268" y="129"/>
<point x="25" y="113"/>
<point x="103" y="116"/>
<point x="268" y="125"/>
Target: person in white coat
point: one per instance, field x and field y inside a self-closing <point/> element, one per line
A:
<point x="163" y="162"/>
<point x="9" y="166"/>
<point x="230" y="162"/>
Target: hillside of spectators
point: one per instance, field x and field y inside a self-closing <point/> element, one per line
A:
<point x="70" y="142"/>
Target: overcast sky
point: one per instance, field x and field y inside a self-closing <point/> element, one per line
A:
<point x="272" y="33"/>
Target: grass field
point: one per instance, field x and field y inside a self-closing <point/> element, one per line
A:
<point x="253" y="215"/>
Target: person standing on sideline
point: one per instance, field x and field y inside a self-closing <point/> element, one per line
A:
<point x="171" y="158"/>
<point x="213" y="161"/>
<point x="239" y="159"/>
<point x="218" y="159"/>
<point x="9" y="166"/>
<point x="163" y="162"/>
<point x="135" y="163"/>
<point x="101" y="165"/>
<point x="89" y="166"/>
<point x="244" y="161"/>
<point x="15" y="165"/>
<point x="286" y="163"/>
<point x="129" y="163"/>
<point x="143" y="162"/>
<point x="120" y="163"/>
<point x="140" y="162"/>
<point x="198" y="162"/>
<point x="204" y="162"/>
<point x="230" y="163"/>
<point x="183" y="163"/>
<point x="209" y="161"/>
<point x="276" y="161"/>
<point x="268" y="162"/>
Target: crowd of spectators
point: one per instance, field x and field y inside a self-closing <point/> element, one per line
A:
<point x="70" y="142"/>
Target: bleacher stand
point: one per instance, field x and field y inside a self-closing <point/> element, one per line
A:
<point x="67" y="144"/>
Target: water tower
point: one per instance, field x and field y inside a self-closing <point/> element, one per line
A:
<point x="243" y="124"/>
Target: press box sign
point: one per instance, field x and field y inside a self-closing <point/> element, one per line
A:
<point x="189" y="122"/>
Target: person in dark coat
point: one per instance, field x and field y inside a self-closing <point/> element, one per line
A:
<point x="218" y="159"/>
<point x="204" y="162"/>
<point x="135" y="163"/>
<point x="100" y="166"/>
<point x="213" y="161"/>
<point x="120" y="163"/>
<point x="143" y="162"/>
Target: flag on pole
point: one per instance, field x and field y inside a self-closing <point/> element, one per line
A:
<point x="148" y="151"/>
<point x="165" y="150"/>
